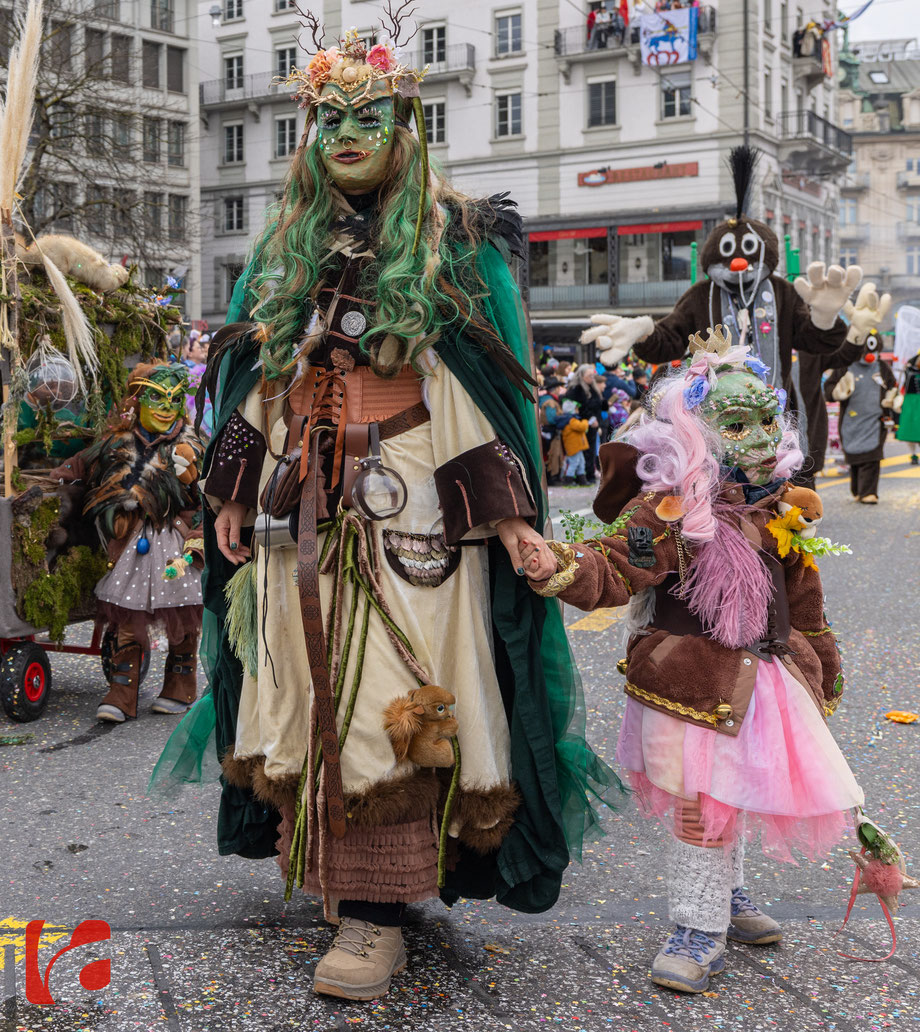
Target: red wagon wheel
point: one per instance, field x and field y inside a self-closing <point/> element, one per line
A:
<point x="25" y="681"/>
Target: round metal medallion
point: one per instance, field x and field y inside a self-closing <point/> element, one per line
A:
<point x="353" y="324"/>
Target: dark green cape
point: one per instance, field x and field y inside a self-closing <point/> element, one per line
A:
<point x="559" y="777"/>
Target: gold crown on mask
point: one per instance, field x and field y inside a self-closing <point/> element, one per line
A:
<point x="718" y="342"/>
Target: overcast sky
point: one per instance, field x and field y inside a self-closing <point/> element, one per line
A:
<point x="885" y="19"/>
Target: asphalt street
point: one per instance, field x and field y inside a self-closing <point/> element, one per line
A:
<point x="200" y="942"/>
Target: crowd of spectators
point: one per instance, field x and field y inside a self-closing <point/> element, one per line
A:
<point x="581" y="407"/>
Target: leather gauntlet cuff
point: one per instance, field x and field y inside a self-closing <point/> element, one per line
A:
<point x="236" y="468"/>
<point x="482" y="486"/>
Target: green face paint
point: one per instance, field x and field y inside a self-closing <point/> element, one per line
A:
<point x="355" y="138"/>
<point x="743" y="411"/>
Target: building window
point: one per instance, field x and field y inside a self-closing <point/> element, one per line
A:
<point x="507" y="34"/>
<point x="120" y="68"/>
<point x="285" y="136"/>
<point x="178" y="215"/>
<point x="123" y="212"/>
<point x="912" y="212"/>
<point x="434" y="44"/>
<point x="233" y="72"/>
<point x="175" y="153"/>
<point x="233" y="215"/>
<point x="675" y="94"/>
<point x="913" y="260"/>
<point x="121" y="136"/>
<point x="150" y="59"/>
<point x="175" y="70"/>
<point x="768" y="94"/>
<point x="284" y="5"/>
<point x="436" y="121"/>
<point x="602" y="103"/>
<point x="768" y="15"/>
<point x="508" y="114"/>
<point x="285" y="60"/>
<point x="848" y="211"/>
<point x="95" y="134"/>
<point x="849" y="256"/>
<point x="63" y="123"/>
<point x="151" y="140"/>
<point x="233" y="10"/>
<point x="231" y="274"/>
<point x="153" y="214"/>
<point x="233" y="143"/>
<point x="95" y="208"/>
<point x="163" y="15"/>
<point x="59" y="43"/>
<point x="94" y="53"/>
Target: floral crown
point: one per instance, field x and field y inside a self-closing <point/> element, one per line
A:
<point x="716" y="354"/>
<point x="354" y="66"/>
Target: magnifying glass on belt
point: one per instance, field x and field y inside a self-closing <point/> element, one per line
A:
<point x="377" y="491"/>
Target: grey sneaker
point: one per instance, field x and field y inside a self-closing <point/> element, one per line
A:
<point x="688" y="959"/>
<point x="750" y="924"/>
<point x="361" y="962"/>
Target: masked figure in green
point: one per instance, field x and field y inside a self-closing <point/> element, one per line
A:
<point x="141" y="492"/>
<point x="395" y="699"/>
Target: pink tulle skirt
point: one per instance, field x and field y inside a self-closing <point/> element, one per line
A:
<point x="782" y="776"/>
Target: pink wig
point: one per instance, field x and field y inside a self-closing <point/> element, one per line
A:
<point x="727" y="586"/>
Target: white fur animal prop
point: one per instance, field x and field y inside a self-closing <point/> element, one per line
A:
<point x="75" y="259"/>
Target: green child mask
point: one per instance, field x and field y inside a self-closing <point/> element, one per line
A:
<point x="743" y="411"/>
<point x="161" y="398"/>
<point x="355" y="137"/>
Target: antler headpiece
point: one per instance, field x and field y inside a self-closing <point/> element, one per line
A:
<point x="352" y="65"/>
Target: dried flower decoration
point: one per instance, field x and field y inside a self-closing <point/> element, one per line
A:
<point x="352" y="65"/>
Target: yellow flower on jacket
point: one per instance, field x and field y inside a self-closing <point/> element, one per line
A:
<point x="784" y="528"/>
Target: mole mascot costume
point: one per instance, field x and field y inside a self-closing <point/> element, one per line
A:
<point x="866" y="390"/>
<point x="744" y="293"/>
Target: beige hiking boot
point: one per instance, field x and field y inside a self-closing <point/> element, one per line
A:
<point x="750" y="924"/>
<point x="688" y="959"/>
<point x="361" y="962"/>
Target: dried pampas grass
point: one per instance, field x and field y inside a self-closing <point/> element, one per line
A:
<point x="17" y="112"/>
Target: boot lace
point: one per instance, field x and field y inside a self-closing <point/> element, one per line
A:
<point x="689" y="942"/>
<point x="743" y="904"/>
<point x="356" y="937"/>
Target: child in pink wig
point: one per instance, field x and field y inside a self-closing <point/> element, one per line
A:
<point x="731" y="666"/>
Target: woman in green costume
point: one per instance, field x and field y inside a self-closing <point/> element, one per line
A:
<point x="395" y="695"/>
<point x="909" y="422"/>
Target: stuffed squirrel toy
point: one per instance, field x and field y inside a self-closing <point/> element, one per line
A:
<point x="810" y="504"/>
<point x="420" y="726"/>
<point x="75" y="259"/>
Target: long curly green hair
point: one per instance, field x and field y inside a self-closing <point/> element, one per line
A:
<point x="416" y="294"/>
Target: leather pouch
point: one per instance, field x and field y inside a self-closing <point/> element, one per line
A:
<point x="281" y="494"/>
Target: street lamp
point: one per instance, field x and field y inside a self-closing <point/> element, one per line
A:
<point x="215" y="13"/>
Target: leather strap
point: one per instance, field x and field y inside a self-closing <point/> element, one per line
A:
<point x="357" y="443"/>
<point x="408" y="419"/>
<point x="311" y="613"/>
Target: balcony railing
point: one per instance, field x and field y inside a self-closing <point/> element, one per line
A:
<point x="857" y="181"/>
<point x="246" y="87"/>
<point x="854" y="231"/>
<point x="581" y="295"/>
<point x="807" y="125"/>
<point x="575" y="40"/>
<point x="654" y="292"/>
<point x="459" y="57"/>
<point x="909" y="231"/>
<point x="909" y="180"/>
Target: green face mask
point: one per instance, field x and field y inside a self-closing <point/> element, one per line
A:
<point x="743" y="411"/>
<point x="355" y="138"/>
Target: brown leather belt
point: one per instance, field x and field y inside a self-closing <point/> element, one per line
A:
<point x="311" y="612"/>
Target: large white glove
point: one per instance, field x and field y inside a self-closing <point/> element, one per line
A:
<point x="891" y="396"/>
<point x="898" y="404"/>
<point x="844" y="387"/>
<point x="867" y="314"/>
<point x="615" y="335"/>
<point x="827" y="294"/>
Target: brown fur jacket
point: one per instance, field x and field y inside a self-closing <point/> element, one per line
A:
<point x="689" y="674"/>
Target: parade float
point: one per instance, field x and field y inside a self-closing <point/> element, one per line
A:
<point x="71" y="328"/>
